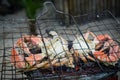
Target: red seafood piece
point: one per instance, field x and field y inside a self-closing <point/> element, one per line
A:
<point x="20" y="43"/>
<point x="35" y="40"/>
<point x="104" y="57"/>
<point x="18" y="58"/>
<point x="103" y="37"/>
<point x="98" y="45"/>
<point x="34" y="58"/>
<point x="20" y="61"/>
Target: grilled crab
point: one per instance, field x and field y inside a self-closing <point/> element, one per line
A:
<point x="57" y="49"/>
<point x="109" y="54"/>
<point x="102" y="48"/>
<point x="29" y="52"/>
<point x="80" y="47"/>
<point x="22" y="54"/>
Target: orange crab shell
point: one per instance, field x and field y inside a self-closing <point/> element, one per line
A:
<point x="103" y="37"/>
<point x="34" y="58"/>
<point x="34" y="39"/>
<point x="20" y="43"/>
<point x="104" y="57"/>
<point x="19" y="60"/>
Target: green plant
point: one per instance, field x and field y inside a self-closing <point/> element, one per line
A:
<point x="31" y="6"/>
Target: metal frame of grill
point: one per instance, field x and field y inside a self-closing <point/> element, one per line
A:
<point x="50" y="18"/>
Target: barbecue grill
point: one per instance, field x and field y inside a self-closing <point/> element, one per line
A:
<point x="66" y="26"/>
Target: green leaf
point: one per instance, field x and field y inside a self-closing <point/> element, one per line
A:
<point x="31" y="6"/>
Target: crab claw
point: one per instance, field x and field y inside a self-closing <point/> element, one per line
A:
<point x="48" y="32"/>
<point x="53" y="33"/>
<point x="35" y="58"/>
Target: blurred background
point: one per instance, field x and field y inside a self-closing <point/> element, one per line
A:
<point x="74" y="7"/>
<point x="13" y="6"/>
<point x="31" y="8"/>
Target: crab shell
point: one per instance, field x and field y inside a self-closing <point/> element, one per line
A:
<point x="18" y="52"/>
<point x="84" y="46"/>
<point x="58" y="49"/>
<point x="112" y="56"/>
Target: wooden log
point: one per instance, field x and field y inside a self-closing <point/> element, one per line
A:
<point x="66" y="11"/>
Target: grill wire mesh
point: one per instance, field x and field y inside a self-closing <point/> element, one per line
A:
<point x="53" y="20"/>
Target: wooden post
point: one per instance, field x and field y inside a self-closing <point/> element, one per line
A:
<point x="59" y="4"/>
<point x="32" y="28"/>
<point x="62" y="5"/>
<point x="66" y="11"/>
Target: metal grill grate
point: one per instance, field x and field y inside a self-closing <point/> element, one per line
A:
<point x="60" y="45"/>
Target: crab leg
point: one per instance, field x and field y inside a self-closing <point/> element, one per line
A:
<point x="37" y="66"/>
<point x="80" y="48"/>
<point x="47" y="65"/>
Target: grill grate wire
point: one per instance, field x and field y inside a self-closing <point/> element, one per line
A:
<point x="52" y="19"/>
